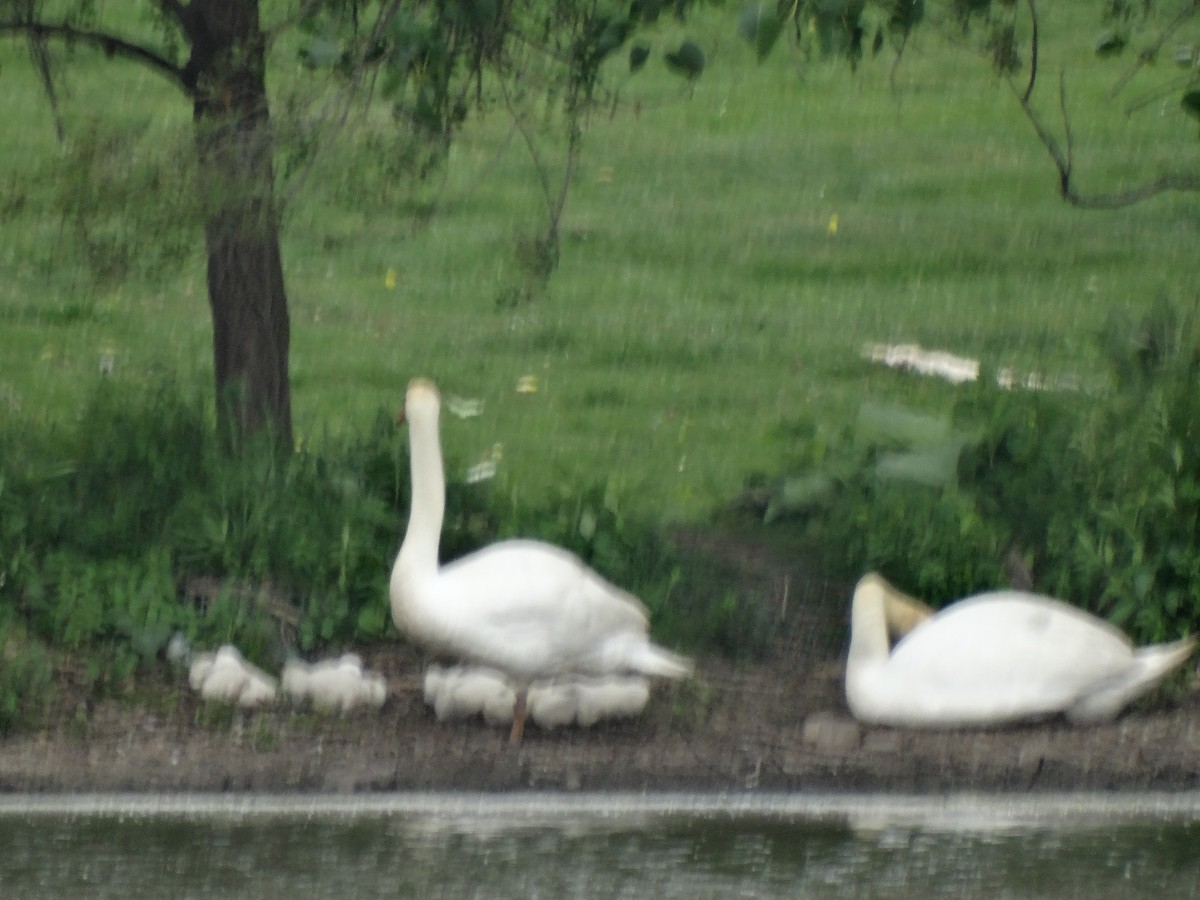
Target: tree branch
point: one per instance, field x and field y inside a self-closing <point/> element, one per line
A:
<point x="1151" y="52"/>
<point x="110" y="44"/>
<point x="171" y="8"/>
<point x="1033" y="54"/>
<point x="1063" y="153"/>
<point x="41" y="61"/>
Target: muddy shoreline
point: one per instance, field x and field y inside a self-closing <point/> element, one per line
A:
<point x="749" y="729"/>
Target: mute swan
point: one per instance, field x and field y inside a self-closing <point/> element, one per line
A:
<point x="529" y="609"/>
<point x="994" y="658"/>
<point x="333" y="685"/>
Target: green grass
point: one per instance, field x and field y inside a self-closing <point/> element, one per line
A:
<point x="701" y="302"/>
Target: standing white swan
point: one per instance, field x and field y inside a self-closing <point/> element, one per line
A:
<point x="994" y="658"/>
<point x="529" y="609"/>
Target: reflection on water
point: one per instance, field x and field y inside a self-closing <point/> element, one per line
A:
<point x="595" y="847"/>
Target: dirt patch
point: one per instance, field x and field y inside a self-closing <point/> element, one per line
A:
<point x="779" y="723"/>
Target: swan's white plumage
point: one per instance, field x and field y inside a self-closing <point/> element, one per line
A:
<point x="461" y="692"/>
<point x="609" y="698"/>
<point x="227" y="677"/>
<point x="528" y="609"/>
<point x="333" y="685"/>
<point x="992" y="659"/>
<point x="201" y="664"/>
<point x="554" y="704"/>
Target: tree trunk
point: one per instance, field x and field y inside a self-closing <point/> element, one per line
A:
<point x="226" y="72"/>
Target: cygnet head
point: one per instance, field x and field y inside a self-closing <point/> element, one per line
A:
<point x="179" y="649"/>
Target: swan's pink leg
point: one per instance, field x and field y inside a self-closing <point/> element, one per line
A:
<point x="518" y="726"/>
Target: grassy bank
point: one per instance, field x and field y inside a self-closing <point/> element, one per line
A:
<point x="729" y="247"/>
<point x="704" y="297"/>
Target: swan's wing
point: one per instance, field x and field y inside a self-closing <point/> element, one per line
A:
<point x="529" y="603"/>
<point x="1003" y="656"/>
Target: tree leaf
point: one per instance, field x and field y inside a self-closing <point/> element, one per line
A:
<point x="769" y="29"/>
<point x="1110" y="43"/>
<point x="748" y="20"/>
<point x="898" y="426"/>
<point x="1190" y="102"/>
<point x="761" y="27"/>
<point x="647" y="10"/>
<point x="798" y="493"/>
<point x="687" y="61"/>
<point x="638" y="54"/>
<point x="614" y="33"/>
<point x="321" y="52"/>
<point x="905" y="14"/>
<point x="934" y="466"/>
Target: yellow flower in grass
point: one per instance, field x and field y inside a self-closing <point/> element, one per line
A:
<point x="389" y="280"/>
<point x="527" y="384"/>
<point x="832" y="227"/>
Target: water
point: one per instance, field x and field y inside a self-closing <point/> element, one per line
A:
<point x="561" y="846"/>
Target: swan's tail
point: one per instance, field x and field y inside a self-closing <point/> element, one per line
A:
<point x="650" y="659"/>
<point x="1151" y="665"/>
<point x="1160" y="660"/>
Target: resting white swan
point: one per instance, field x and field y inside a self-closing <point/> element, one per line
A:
<point x="994" y="658"/>
<point x="529" y="609"/>
<point x="333" y="685"/>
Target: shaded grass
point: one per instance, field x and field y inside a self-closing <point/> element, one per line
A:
<point x="702" y="299"/>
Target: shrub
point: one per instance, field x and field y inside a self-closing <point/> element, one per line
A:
<point x="25" y="676"/>
<point x="110" y="524"/>
<point x="1099" y="493"/>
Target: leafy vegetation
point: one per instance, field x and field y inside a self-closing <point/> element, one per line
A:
<point x="1094" y="496"/>
<point x="730" y="244"/>
<point x="131" y="526"/>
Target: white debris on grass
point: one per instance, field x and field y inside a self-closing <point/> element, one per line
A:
<point x="939" y="363"/>
<point x="960" y="369"/>
<point x="464" y="407"/>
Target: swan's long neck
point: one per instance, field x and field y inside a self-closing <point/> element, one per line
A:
<point x="879" y="613"/>
<point x="419" y="550"/>
<point x="904" y="613"/>
<point x="868" y="623"/>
